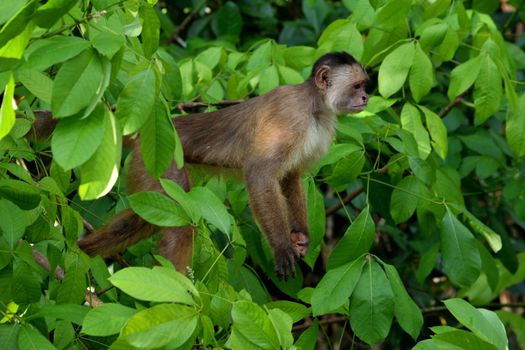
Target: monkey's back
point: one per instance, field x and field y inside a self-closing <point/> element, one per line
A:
<point x="219" y="138"/>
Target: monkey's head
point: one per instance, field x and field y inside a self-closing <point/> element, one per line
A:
<point x="341" y="81"/>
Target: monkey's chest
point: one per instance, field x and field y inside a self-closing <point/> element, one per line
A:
<point x="312" y="145"/>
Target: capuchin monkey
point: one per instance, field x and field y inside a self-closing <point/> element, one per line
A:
<point x="273" y="139"/>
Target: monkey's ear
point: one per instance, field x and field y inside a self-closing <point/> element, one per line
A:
<point x="321" y="77"/>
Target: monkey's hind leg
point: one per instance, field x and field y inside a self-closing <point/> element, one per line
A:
<point x="176" y="245"/>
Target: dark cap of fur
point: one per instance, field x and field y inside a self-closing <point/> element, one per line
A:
<point x="334" y="59"/>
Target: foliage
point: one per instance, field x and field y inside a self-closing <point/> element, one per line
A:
<point x="424" y="190"/>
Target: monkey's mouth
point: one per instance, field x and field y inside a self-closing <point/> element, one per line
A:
<point x="358" y="108"/>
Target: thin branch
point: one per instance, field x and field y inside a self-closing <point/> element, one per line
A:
<point x="456" y="102"/>
<point x="347" y="199"/>
<point x="173" y="37"/>
<point x="91" y="297"/>
<point x="327" y="320"/>
<point x="44" y="262"/>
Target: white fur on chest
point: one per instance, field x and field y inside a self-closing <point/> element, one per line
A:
<point x="314" y="144"/>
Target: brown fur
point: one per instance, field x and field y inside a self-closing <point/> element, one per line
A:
<point x="273" y="139"/>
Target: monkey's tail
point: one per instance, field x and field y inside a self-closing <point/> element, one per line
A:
<point x="125" y="229"/>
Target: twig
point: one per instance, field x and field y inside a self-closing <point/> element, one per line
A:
<point x="89" y="228"/>
<point x="44" y="262"/>
<point x="184" y="24"/>
<point x="91" y="297"/>
<point x="347" y="199"/>
<point x="327" y="320"/>
<point x="189" y="105"/>
<point x="104" y="290"/>
<point x="457" y="101"/>
<point x="493" y="306"/>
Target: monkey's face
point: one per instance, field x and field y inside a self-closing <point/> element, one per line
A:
<point x="345" y="91"/>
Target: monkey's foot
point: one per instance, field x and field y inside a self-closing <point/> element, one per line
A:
<point x="300" y="242"/>
<point x="285" y="261"/>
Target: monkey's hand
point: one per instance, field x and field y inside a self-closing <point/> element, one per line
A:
<point x="300" y="242"/>
<point x="285" y="257"/>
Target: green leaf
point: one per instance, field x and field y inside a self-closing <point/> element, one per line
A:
<point x="157" y="141"/>
<point x="31" y="339"/>
<point x="9" y="335"/>
<point x="406" y="311"/>
<point x="357" y="240"/>
<point x="12" y="223"/>
<point x="394" y="69"/>
<point x="76" y="140"/>
<point x="18" y="23"/>
<point x="463" y="76"/>
<point x="52" y="11"/>
<point x="347" y="170"/>
<point x="137" y="100"/>
<point x="437" y="130"/>
<point x="341" y="35"/>
<point x="298" y="57"/>
<point x="161" y="325"/>
<point x="107" y="319"/>
<point x="336" y="286"/>
<point x="433" y="35"/>
<point x="213" y="210"/>
<point x="458" y="245"/>
<point x="453" y="339"/>
<point x="228" y="20"/>
<point x="336" y="153"/>
<point x="158" y="284"/>
<point x="427" y="263"/>
<point x="261" y="57"/>
<point x="24" y="195"/>
<point x="73" y="288"/>
<point x="268" y="80"/>
<point x="411" y="121"/>
<point x="7" y="111"/>
<point x="158" y="209"/>
<point x="25" y="287"/>
<point x="405" y="197"/>
<point x="211" y="57"/>
<point x="39" y="84"/>
<point x="316" y="218"/>
<point x="106" y="35"/>
<point x="282" y="323"/>
<point x="372" y="305"/>
<point x="515" y="128"/>
<point x="483" y="323"/>
<point x="11" y="53"/>
<point x="295" y="310"/>
<point x="44" y="53"/>
<point x="100" y="172"/>
<point x="252" y="329"/>
<point x="493" y="239"/>
<point x="289" y="75"/>
<point x="421" y="78"/>
<point x="308" y="339"/>
<point x="150" y="30"/>
<point x="487" y="90"/>
<point x="76" y="83"/>
<point x="69" y="312"/>
<point x="422" y="170"/>
<point x="176" y="192"/>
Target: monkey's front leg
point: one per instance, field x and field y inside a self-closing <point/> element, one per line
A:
<point x="292" y="188"/>
<point x="270" y="210"/>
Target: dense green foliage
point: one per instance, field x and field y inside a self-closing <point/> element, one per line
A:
<point x="420" y="200"/>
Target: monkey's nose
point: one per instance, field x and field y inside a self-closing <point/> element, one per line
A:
<point x="365" y="99"/>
